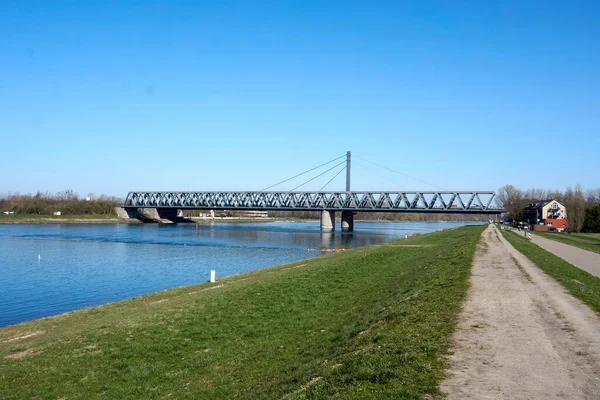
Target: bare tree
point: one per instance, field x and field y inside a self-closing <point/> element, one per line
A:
<point x="592" y="198"/>
<point x="556" y="195"/>
<point x="574" y="201"/>
<point x="532" y="195"/>
<point x="512" y="200"/>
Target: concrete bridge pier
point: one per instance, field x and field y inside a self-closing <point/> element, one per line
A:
<point x="145" y="215"/>
<point x="327" y="221"/>
<point x="169" y="214"/>
<point x="126" y="212"/>
<point x="151" y="215"/>
<point x="347" y="221"/>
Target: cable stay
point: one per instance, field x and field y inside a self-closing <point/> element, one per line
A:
<point x="380" y="175"/>
<point x="335" y="176"/>
<point x="393" y="170"/>
<point x="323" y="173"/>
<point x="305" y="172"/>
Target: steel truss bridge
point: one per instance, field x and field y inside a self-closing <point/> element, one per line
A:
<point x="464" y="202"/>
<point x="165" y="205"/>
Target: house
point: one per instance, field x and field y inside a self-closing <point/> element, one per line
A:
<point x="545" y="215"/>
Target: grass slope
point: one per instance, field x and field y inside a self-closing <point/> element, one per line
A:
<point x="372" y="322"/>
<point x="584" y="241"/>
<point x="584" y="286"/>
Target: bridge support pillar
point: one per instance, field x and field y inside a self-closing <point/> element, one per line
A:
<point x="347" y="221"/>
<point x="169" y="214"/>
<point x="327" y="221"/>
<point x="126" y="212"/>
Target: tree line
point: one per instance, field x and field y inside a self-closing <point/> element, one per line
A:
<point x="67" y="202"/>
<point x="388" y="216"/>
<point x="583" y="207"/>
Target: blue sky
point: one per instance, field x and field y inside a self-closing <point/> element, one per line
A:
<point x="110" y="96"/>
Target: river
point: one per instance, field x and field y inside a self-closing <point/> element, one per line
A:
<point x="51" y="269"/>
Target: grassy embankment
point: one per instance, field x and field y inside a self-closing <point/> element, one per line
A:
<point x="582" y="285"/>
<point x="372" y="322"/>
<point x="62" y="219"/>
<point x="586" y="241"/>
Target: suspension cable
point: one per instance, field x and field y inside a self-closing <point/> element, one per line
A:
<point x="335" y="176"/>
<point x="323" y="173"/>
<point x="411" y="177"/>
<point x="305" y="172"/>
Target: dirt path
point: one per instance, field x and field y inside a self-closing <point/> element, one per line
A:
<point x="521" y="336"/>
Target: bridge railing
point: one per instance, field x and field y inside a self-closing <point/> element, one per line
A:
<point x="481" y="202"/>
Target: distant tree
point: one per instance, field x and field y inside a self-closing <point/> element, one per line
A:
<point x="532" y="195"/>
<point x="512" y="200"/>
<point x="67" y="202"/>
<point x="592" y="220"/>
<point x="68" y="194"/>
<point x="556" y="195"/>
<point x="574" y="201"/>
<point x="592" y="198"/>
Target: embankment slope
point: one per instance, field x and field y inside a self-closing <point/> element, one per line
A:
<point x="371" y="322"/>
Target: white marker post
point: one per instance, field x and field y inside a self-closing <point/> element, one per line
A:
<point x="212" y="276"/>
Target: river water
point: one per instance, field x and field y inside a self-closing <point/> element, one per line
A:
<point x="50" y="269"/>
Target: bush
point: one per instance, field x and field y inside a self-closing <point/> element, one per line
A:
<point x="591" y="223"/>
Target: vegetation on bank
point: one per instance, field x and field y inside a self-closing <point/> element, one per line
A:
<point x="371" y="322"/>
<point x="62" y="219"/>
<point x="582" y="240"/>
<point x="67" y="202"/>
<point x="388" y="216"/>
<point x="583" y="208"/>
<point x="581" y="284"/>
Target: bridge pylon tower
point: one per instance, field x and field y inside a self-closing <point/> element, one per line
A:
<point x="348" y="216"/>
<point x="328" y="216"/>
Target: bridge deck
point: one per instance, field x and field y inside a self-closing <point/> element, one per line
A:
<point x="464" y="202"/>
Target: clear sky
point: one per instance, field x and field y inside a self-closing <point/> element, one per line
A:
<point x="112" y="96"/>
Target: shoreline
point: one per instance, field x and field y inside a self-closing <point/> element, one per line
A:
<point x="57" y="220"/>
<point x="267" y="333"/>
<point x="83" y="219"/>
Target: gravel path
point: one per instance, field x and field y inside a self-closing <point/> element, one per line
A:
<point x="520" y="335"/>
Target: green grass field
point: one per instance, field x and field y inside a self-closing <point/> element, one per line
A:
<point x="586" y="241"/>
<point x="584" y="286"/>
<point x="369" y="323"/>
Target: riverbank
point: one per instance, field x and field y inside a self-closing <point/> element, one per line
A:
<point x="370" y="322"/>
<point x="63" y="219"/>
<point x="113" y="219"/>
